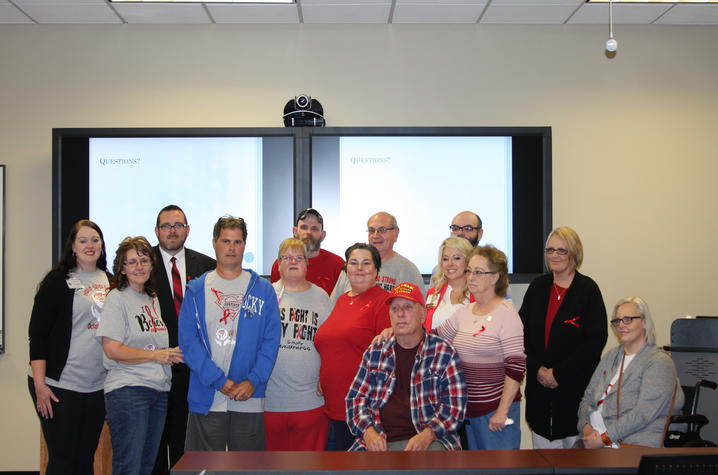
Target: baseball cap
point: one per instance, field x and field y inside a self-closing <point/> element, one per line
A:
<point x="407" y="290"/>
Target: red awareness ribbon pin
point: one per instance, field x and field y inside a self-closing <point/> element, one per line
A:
<point x="481" y="330"/>
<point x="573" y="321"/>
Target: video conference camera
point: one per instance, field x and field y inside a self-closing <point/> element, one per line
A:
<point x="303" y="111"/>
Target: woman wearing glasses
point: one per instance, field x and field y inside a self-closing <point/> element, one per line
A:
<point x="137" y="358"/>
<point x="564" y="332"/>
<point x="449" y="291"/>
<point x="634" y="388"/>
<point x="66" y="373"/>
<point x="294" y="417"/>
<point x="488" y="335"/>
<point x="359" y="315"/>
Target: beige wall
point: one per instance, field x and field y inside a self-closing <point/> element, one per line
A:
<point x="634" y="137"/>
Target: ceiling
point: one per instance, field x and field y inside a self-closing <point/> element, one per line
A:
<point x="518" y="12"/>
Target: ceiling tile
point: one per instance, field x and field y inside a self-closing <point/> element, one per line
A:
<point x="622" y="14"/>
<point x="345" y="13"/>
<point x="254" y="13"/>
<point x="690" y="15"/>
<point x="77" y="12"/>
<point x="527" y="14"/>
<point x="10" y="14"/>
<point x="178" y="13"/>
<point x="423" y="13"/>
<point x="538" y="3"/>
<point x="482" y="3"/>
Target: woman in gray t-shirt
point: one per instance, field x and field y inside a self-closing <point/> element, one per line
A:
<point x="66" y="375"/>
<point x="137" y="358"/>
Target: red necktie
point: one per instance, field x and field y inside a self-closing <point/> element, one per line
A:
<point x="176" y="286"/>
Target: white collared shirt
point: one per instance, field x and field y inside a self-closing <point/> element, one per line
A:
<point x="180" y="256"/>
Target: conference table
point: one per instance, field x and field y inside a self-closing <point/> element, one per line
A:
<point x="505" y="462"/>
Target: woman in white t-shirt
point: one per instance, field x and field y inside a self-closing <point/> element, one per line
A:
<point x="137" y="358"/>
<point x="634" y="387"/>
<point x="449" y="290"/>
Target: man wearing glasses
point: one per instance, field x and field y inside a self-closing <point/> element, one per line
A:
<point x="383" y="231"/>
<point x="179" y="266"/>
<point x="229" y="333"/>
<point x="467" y="225"/>
<point x="324" y="267"/>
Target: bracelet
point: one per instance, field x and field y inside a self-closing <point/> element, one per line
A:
<point x="606" y="439"/>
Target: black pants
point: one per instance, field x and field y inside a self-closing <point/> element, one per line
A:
<point x="340" y="438"/>
<point x="173" y="437"/>
<point x="74" y="430"/>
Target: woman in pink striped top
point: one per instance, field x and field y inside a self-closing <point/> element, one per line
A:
<point x="488" y="335"/>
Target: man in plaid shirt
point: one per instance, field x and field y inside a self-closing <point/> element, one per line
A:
<point x="409" y="393"/>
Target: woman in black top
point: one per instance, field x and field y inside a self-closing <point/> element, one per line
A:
<point x="66" y="373"/>
<point x="565" y="331"/>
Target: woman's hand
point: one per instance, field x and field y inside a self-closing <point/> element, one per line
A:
<point x="383" y="336"/>
<point x="176" y="356"/>
<point x="497" y="422"/>
<point x="167" y="355"/>
<point x="45" y="398"/>
<point x="545" y="377"/>
<point x="591" y="438"/>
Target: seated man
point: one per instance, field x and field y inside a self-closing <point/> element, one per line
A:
<point x="401" y="401"/>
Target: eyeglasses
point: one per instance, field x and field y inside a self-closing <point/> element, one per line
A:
<point x="478" y="273"/>
<point x="626" y="320"/>
<point x="144" y="262"/>
<point x="560" y="251"/>
<point x="468" y="228"/>
<point x="381" y="230"/>
<point x="175" y="226"/>
<point x="294" y="258"/>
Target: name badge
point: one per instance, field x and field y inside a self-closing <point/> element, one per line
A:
<point x="74" y="283"/>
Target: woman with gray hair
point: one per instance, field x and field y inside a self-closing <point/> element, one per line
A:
<point x="634" y="388"/>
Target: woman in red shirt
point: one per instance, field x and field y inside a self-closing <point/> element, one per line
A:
<point x="359" y="315"/>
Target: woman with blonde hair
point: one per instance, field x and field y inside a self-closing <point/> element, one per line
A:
<point x="449" y="289"/>
<point x="564" y="333"/>
<point x="294" y="416"/>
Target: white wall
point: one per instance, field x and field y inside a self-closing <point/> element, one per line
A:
<point x="634" y="137"/>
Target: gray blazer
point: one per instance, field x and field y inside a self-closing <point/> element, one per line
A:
<point x="646" y="391"/>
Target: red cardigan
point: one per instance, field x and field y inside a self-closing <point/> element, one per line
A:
<point x="430" y="310"/>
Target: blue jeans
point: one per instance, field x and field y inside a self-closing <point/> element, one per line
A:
<point x="481" y="438"/>
<point x="136" y="416"/>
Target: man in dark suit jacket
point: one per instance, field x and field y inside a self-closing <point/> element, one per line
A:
<point x="172" y="230"/>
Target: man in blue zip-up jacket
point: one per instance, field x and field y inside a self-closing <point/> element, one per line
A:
<point x="229" y="334"/>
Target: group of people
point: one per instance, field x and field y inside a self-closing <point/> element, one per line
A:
<point x="179" y="351"/>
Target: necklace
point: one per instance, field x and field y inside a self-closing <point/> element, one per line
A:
<point x="559" y="294"/>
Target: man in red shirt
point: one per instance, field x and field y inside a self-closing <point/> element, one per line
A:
<point x="324" y="267"/>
